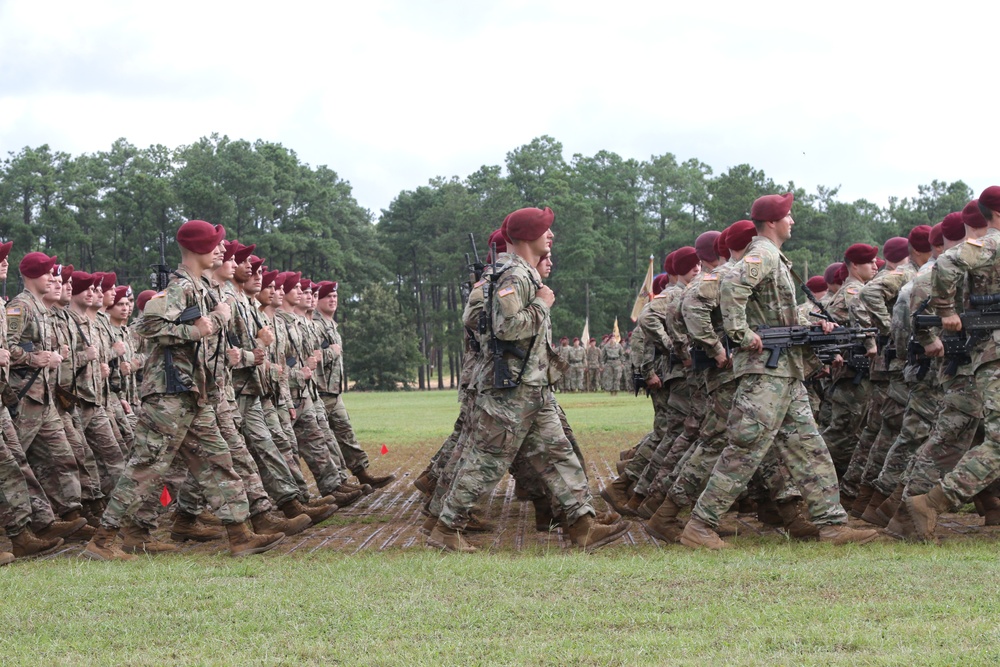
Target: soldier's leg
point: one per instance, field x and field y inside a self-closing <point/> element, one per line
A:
<point x="86" y="463"/>
<point x="331" y="440"/>
<point x="892" y="425"/>
<point x="124" y="422"/>
<point x="100" y="436"/>
<point x="921" y="411"/>
<point x="243" y="463"/>
<point x="274" y="471"/>
<point x="849" y="484"/>
<point x="41" y="509"/>
<point x="667" y="420"/>
<point x="314" y="450"/>
<point x="279" y="423"/>
<point x="15" y="503"/>
<point x="455" y="463"/>
<point x="847" y="405"/>
<point x="41" y="433"/>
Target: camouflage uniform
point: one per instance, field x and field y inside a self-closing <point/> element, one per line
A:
<point x="758" y="292"/>
<point x="181" y="423"/>
<point x="612" y="357"/>
<point x="508" y="416"/>
<point x="39" y="427"/>
<point x="577" y="358"/>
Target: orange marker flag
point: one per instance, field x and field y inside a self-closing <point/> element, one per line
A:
<point x="385" y="450"/>
<point x="165" y="498"/>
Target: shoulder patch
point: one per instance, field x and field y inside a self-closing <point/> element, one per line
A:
<point x="752" y="259"/>
<point x="710" y="276"/>
<point x="506" y="291"/>
<point x="158" y="295"/>
<point x="896" y="272"/>
<point x="976" y="242"/>
<point x="14" y="310"/>
<point x="479" y="284"/>
<point x="852" y="290"/>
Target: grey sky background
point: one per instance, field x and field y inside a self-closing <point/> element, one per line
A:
<point x="874" y="97"/>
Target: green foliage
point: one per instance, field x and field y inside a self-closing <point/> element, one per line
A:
<point x="380" y="349"/>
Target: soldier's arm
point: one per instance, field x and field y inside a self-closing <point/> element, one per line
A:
<point x="516" y="315"/>
<point x="654" y="325"/>
<point x="948" y="273"/>
<point x="160" y="318"/>
<point x="697" y="311"/>
<point x="734" y="295"/>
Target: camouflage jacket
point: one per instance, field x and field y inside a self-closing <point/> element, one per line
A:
<point x="248" y="379"/>
<point x="30" y="324"/>
<point x="653" y="320"/>
<point x="521" y="318"/>
<point x="611" y="353"/>
<point x="703" y="319"/>
<point x="80" y="377"/>
<point x="596" y="356"/>
<point x="878" y="297"/>
<point x="331" y="367"/>
<point x="293" y="352"/>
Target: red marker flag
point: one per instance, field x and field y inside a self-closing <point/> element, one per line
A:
<point x="385" y="450"/>
<point x="165" y="498"/>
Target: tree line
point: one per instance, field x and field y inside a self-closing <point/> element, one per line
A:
<point x="400" y="272"/>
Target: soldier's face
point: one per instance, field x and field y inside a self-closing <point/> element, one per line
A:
<point x="278" y="298"/>
<point x="784" y="227"/>
<point x="243" y="271"/>
<point x="94" y="295"/>
<point x="220" y="252"/>
<point x="66" y="292"/>
<point x="252" y="285"/>
<point x="4" y="266"/>
<point x="866" y="271"/>
<point x="108" y="298"/>
<point x="545" y="266"/>
<point x="266" y="295"/>
<point x="119" y="311"/>
<point x="227" y="270"/>
<point x="294" y="297"/>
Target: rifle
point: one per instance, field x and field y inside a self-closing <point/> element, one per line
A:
<point x="175" y="385"/>
<point x="776" y="339"/>
<point x="502" y="377"/>
<point x="977" y="325"/>
<point x="160" y="277"/>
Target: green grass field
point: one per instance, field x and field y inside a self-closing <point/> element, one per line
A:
<point x="766" y="602"/>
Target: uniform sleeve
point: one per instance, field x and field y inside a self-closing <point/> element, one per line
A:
<point x="950" y="270"/>
<point x="654" y="327"/>
<point x="160" y="317"/>
<point x="517" y="313"/>
<point x="735" y="292"/>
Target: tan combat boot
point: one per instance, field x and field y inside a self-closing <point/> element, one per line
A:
<point x="209" y="519"/>
<point x="608" y="518"/>
<point x="900" y="525"/>
<point x="428" y="525"/>
<point x="650" y="505"/>
<point x="377" y="481"/>
<point x="345" y="498"/>
<point x="796" y="525"/>
<point x="634" y="502"/>
<point x="587" y="534"/>
<point x="989" y="508"/>
<point x="27" y="544"/>
<point x="663" y="525"/>
<point x="699" y="534"/>
<point x="138" y="540"/>
<point x="268" y="523"/>
<point x="321" y="501"/>
<point x="477" y="524"/>
<point x="767" y="513"/>
<point x="870" y="513"/>
<point x="844" y="534"/>
<point x="82" y="534"/>
<point x="860" y="503"/>
<point x="620" y="466"/>
<point x="6" y="558"/>
<point x="102" y="546"/>
<point x="924" y="510"/>
<point x="889" y="506"/>
<point x="294" y="508"/>
<point x="189" y="527"/>
<point x="616" y="494"/>
<point x="544" y="522"/>
<point x="449" y="539"/>
<point x="425" y="484"/>
<point x="243" y="541"/>
<point x="58" y="529"/>
<point x="365" y="489"/>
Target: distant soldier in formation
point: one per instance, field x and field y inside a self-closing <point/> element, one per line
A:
<point x="593" y="366"/>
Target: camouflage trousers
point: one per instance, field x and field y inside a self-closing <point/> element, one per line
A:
<point x="956" y="428"/>
<point x="611" y="377"/>
<point x="97" y="431"/>
<point x="279" y="422"/>
<point x="877" y="397"/>
<point x="124" y="422"/>
<point x="355" y="458"/>
<point x="271" y="464"/>
<point x="451" y="465"/>
<point x="466" y="402"/>
<point x="530" y="483"/>
<point x="331" y="440"/>
<point x="86" y="463"/>
<point x="763" y="405"/>
<point x="689" y="401"/>
<point x="847" y="408"/>
<point x="667" y="420"/>
<point x="980" y="466"/>
<point x="575" y="377"/>
<point x="921" y="410"/>
<point x="170" y="426"/>
<point x="525" y="416"/>
<point x="314" y="448"/>
<point x="892" y="425"/>
<point x="40" y="431"/>
<point x="41" y="510"/>
<point x="15" y="503"/>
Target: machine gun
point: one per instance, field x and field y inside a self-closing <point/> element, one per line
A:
<point x="160" y="277"/>
<point x="978" y="323"/>
<point x="777" y="339"/>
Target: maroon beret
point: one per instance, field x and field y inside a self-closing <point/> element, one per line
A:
<point x="830" y="275"/>
<point x="108" y="281"/>
<point x="771" y="208"/>
<point x="292" y="278"/>
<point x="817" y="284"/>
<point x="82" y="281"/>
<point x="991" y="198"/>
<point x="326" y="288"/>
<point x="564" y="338"/>
<point x="659" y="282"/>
<point x="527" y="224"/>
<point x="740" y="234"/>
<point x="937" y="233"/>
<point x="879" y="263"/>
<point x="668" y="264"/>
<point x="5" y="250"/>
<point x="841" y="275"/>
<point x="860" y="253"/>
<point x="66" y="272"/>
<point x="896" y="249"/>
<point x="122" y="292"/>
<point x="972" y="216"/>
<point x="306" y="285"/>
<point x="498" y="238"/>
<point x="231" y="248"/>
<point x="267" y="278"/>
<point x="952" y="227"/>
<point x="685" y="259"/>
<point x="255" y="263"/>
<point x="200" y="237"/>
<point x="705" y="246"/>
<point x="243" y="252"/>
<point x="919" y="238"/>
<point x="143" y="298"/>
<point x="36" y="264"/>
<point x="721" y="245"/>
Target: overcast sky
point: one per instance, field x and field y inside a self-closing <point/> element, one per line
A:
<point x="875" y="97"/>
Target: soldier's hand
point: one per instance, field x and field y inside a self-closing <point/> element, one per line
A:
<point x="307" y="373"/>
<point x="687" y="363"/>
<point x="828" y="326"/>
<point x="258" y="356"/>
<point x="234" y="355"/>
<point x="265" y="336"/>
<point x="336" y="349"/>
<point x="838" y="362"/>
<point x="126" y="368"/>
<point x="224" y="310"/>
<point x="64" y="351"/>
<point x="119" y="347"/>
<point x="753" y="343"/>
<point x="126" y="407"/>
<point x="546" y="295"/>
<point x="204" y="326"/>
<point x="4" y="357"/>
<point x="935" y="349"/>
<point x="39" y="359"/>
<point x="105" y="370"/>
<point x="90" y="352"/>
<point x="55" y="359"/>
<point x="311" y="364"/>
<point x="292" y="413"/>
<point x="952" y="323"/>
<point x="721" y="359"/>
<point x="654" y="382"/>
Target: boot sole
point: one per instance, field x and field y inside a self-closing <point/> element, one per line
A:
<point x="874" y="518"/>
<point x="441" y="546"/>
<point x="609" y="538"/>
<point x="142" y="551"/>
<point x="610" y="501"/>
<point x="184" y="538"/>
<point x="844" y="544"/>
<point x="259" y="550"/>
